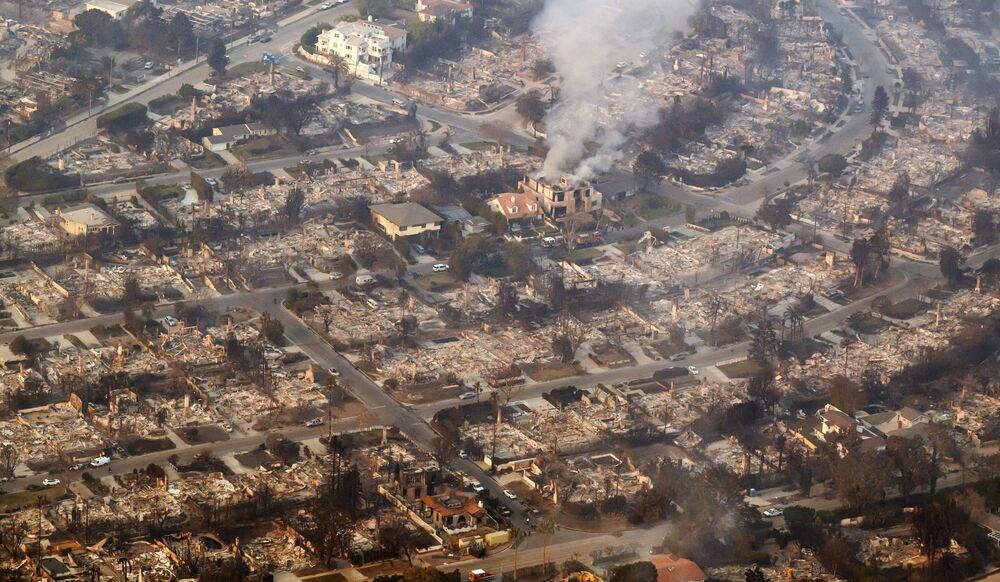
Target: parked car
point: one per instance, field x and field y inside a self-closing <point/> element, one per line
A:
<point x="509" y="494"/>
<point x="325" y="6"/>
<point x="462" y="454"/>
<point x="693" y="370"/>
<point x="773" y="512"/>
<point x="314" y="422"/>
<point x="226" y="426"/>
<point x="265" y="38"/>
<point x="440" y="267"/>
<point x="466" y="395"/>
<point x="50" y="482"/>
<point x="76" y="466"/>
<point x="121" y="180"/>
<point x="100" y="461"/>
<point x="149" y="65"/>
<point x="333" y="371"/>
<point x="677" y="357"/>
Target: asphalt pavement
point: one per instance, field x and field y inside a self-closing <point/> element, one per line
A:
<point x="909" y="277"/>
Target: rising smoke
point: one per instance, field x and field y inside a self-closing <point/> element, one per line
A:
<point x="586" y="39"/>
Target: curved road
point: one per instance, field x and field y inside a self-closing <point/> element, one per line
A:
<point x="909" y="277"/>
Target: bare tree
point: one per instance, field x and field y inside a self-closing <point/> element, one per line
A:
<point x="9" y="457"/>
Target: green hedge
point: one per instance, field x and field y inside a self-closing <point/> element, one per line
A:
<point x="32" y="175"/>
<point x="125" y="117"/>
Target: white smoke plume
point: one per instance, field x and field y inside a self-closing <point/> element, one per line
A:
<point x="586" y="39"/>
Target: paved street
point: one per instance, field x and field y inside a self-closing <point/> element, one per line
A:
<point x="908" y="278"/>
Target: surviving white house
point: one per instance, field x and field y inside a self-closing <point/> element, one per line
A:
<point x="366" y="47"/>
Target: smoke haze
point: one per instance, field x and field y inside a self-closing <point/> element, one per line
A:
<point x="586" y="39"/>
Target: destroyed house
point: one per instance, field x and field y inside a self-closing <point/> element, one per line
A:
<point x="414" y="480"/>
<point x="566" y="396"/>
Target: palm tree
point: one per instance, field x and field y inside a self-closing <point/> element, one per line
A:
<point x="337" y="66"/>
<point x="516" y="534"/>
<point x="794" y="319"/>
<point x="546" y="528"/>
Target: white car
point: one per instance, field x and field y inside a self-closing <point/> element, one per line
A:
<point x="462" y="454"/>
<point x="773" y="512"/>
<point x="334" y="371"/>
<point x="510" y="494"/>
<point x="314" y="422"/>
<point x="477" y="486"/>
<point x="693" y="370"/>
<point x="336" y="275"/>
<point x="440" y="267"/>
<point x="50" y="482"/>
<point x="325" y="6"/>
<point x="466" y="395"/>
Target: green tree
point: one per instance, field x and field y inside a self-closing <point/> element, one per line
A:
<point x="132" y="291"/>
<point x="546" y="528"/>
<point x="294" y="201"/>
<point x="950" y="264"/>
<point x="182" y="32"/>
<point x="984" y="226"/>
<point x="860" y="254"/>
<point x="935" y="522"/>
<point x="833" y="164"/>
<point x="647" y="167"/>
<point x="518" y="260"/>
<point x="516" y="533"/>
<point x="530" y="106"/>
<point x="562" y="346"/>
<point x="202" y="187"/>
<point x="634" y="572"/>
<point x="375" y="8"/>
<point x="311" y="36"/>
<point x="880" y="107"/>
<point x="217" y="58"/>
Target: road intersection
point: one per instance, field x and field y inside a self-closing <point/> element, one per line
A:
<point x="909" y="277"/>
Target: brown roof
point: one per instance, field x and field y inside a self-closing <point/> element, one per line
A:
<point x="670" y="568"/>
<point x="452" y="502"/>
<point x="514" y="205"/>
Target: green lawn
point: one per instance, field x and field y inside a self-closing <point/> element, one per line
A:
<point x="166" y="104"/>
<point x="437" y="282"/>
<point x="741" y="369"/>
<point x="208" y="161"/>
<point x="165" y="191"/>
<point x="588" y="254"/>
<point x="867" y="323"/>
<point x="906" y="309"/>
<point x="265" y="147"/>
<point x="650" y="206"/>
<point x="551" y="371"/>
<point x="246" y="69"/>
<point x="815" y="311"/>
<point x="20" y="499"/>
